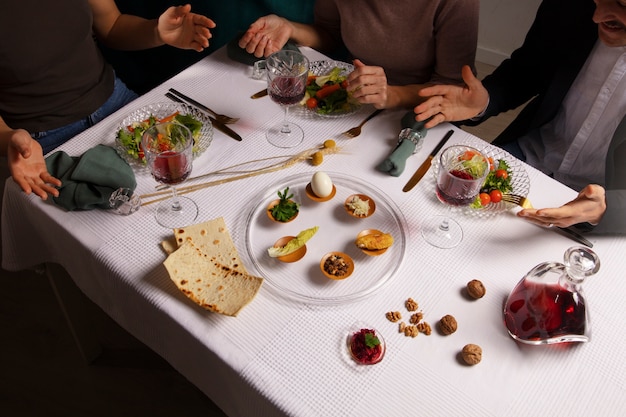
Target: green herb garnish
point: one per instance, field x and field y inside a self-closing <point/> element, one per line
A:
<point x="371" y="340"/>
<point x="286" y="208"/>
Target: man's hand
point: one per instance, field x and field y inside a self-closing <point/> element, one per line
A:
<point x="178" y="27"/>
<point x="588" y="206"/>
<point x="451" y="103"/>
<point x="28" y="167"/>
<point x="266" y="35"/>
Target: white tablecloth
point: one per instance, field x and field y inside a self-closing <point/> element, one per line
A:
<point x="281" y="356"/>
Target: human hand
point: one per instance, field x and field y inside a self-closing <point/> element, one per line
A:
<point x="266" y="35"/>
<point x="368" y="84"/>
<point x="182" y="29"/>
<point x="451" y="103"/>
<point x="588" y="206"/>
<point x="28" y="167"/>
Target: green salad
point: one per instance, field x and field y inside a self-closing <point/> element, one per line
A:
<point x="130" y="136"/>
<point x="327" y="94"/>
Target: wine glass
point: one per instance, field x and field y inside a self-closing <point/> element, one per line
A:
<point x="462" y="172"/>
<point x="287" y="73"/>
<point x="168" y="149"/>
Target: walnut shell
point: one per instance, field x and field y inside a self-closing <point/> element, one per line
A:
<point x="476" y="289"/>
<point x="472" y="354"/>
<point x="447" y="324"/>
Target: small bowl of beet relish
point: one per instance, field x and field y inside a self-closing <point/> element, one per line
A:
<point x="366" y="346"/>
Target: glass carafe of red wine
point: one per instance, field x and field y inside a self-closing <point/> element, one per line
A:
<point x="548" y="306"/>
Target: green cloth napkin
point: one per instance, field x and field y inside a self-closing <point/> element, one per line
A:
<point x="89" y="180"/>
<point x="395" y="163"/>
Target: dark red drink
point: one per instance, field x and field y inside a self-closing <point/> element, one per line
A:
<point x="287" y="90"/>
<point x="538" y="312"/>
<point x="457" y="188"/>
<point x="171" y="167"/>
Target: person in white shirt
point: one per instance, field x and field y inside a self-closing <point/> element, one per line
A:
<point x="572" y="68"/>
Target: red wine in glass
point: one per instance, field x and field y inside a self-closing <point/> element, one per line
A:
<point x="287" y="91"/>
<point x="287" y="72"/>
<point x="457" y="189"/>
<point x="168" y="149"/>
<point x="170" y="167"/>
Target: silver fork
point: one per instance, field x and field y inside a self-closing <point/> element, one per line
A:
<point x="517" y="199"/>
<point x="219" y="117"/>
<point x="356" y="131"/>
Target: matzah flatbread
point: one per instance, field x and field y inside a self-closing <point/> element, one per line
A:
<point x="213" y="239"/>
<point x="212" y="285"/>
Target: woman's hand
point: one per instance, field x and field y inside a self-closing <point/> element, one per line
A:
<point x="451" y="103"/>
<point x="266" y="35"/>
<point x="588" y="206"/>
<point x="368" y="85"/>
<point x="28" y="167"/>
<point x="178" y="27"/>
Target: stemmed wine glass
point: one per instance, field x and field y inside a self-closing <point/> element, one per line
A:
<point x="462" y="172"/>
<point x="287" y="73"/>
<point x="168" y="149"/>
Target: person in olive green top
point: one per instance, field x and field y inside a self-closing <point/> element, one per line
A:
<point x="54" y="83"/>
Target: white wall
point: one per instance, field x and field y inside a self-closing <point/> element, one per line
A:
<point x="502" y="28"/>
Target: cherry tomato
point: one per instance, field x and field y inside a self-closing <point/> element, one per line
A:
<point x="502" y="173"/>
<point x="485" y="199"/>
<point x="311" y="103"/>
<point x="491" y="165"/>
<point x="496" y="196"/>
<point x="468" y="155"/>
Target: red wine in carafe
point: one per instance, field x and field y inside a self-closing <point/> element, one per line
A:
<point x="537" y="312"/>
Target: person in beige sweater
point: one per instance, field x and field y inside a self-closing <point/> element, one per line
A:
<point x="397" y="47"/>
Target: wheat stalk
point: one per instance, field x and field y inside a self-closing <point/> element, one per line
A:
<point x="292" y="160"/>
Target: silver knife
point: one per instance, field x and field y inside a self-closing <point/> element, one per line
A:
<point x="218" y="125"/>
<point x="568" y="232"/>
<point x="426" y="164"/>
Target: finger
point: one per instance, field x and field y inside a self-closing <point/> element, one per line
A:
<point x="49" y="179"/>
<point x="469" y="78"/>
<point x="436" y="119"/>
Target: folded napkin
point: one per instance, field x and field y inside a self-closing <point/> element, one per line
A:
<point x="89" y="180"/>
<point x="237" y="53"/>
<point x="409" y="142"/>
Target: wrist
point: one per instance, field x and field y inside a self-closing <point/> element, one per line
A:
<point x="482" y="112"/>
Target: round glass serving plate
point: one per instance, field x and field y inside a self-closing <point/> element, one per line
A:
<point x="303" y="280"/>
<point x="519" y="178"/>
<point x="161" y="110"/>
<point x="319" y="68"/>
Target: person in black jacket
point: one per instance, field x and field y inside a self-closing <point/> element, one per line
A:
<point x="572" y="68"/>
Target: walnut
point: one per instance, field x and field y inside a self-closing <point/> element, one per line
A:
<point x="447" y="324"/>
<point x="410" y="304"/>
<point x="424" y="328"/>
<point x="472" y="354"/>
<point x="411" y="331"/>
<point x="476" y="289"/>
<point x="401" y="327"/>
<point x="416" y="317"/>
<point x="393" y="316"/>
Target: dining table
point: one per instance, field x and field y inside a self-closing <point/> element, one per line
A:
<point x="286" y="352"/>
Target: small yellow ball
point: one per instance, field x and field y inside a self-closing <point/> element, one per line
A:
<point x="317" y="158"/>
<point x="329" y="143"/>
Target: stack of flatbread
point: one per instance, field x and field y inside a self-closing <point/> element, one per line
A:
<point x="205" y="265"/>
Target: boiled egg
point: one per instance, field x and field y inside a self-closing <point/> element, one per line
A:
<point x="321" y="184"/>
